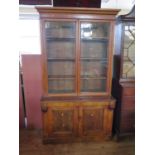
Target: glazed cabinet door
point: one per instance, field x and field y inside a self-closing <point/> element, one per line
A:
<point x="61" y="121"/>
<point x="77" y="63"/>
<point x="60" y="56"/>
<point x="94" y="56"/>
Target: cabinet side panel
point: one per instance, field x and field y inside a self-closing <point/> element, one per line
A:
<point x="108" y="117"/>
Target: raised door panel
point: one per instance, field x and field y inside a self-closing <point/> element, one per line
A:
<point x="92" y="121"/>
<point x="62" y="121"/>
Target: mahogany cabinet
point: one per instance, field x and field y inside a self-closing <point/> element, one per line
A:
<point x="124" y="75"/>
<point x="77" y="47"/>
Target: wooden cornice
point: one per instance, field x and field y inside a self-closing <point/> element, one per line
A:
<point x="75" y="10"/>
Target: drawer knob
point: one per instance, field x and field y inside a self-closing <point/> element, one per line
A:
<point x="62" y="114"/>
<point x="92" y="115"/>
<point x="44" y="107"/>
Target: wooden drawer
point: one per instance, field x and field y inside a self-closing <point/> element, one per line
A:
<point x="127" y="126"/>
<point x="127" y="115"/>
<point x="128" y="103"/>
<point x="127" y="122"/>
<point x="128" y="91"/>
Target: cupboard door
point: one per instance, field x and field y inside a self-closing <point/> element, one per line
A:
<point x="62" y="121"/>
<point x="60" y="39"/>
<point x="92" y="120"/>
<point x="94" y="56"/>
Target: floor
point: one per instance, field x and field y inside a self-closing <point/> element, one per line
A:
<point x="31" y="144"/>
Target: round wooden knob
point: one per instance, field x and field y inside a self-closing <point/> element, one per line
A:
<point x="91" y="115"/>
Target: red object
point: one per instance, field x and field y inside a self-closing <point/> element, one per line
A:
<point x="31" y="66"/>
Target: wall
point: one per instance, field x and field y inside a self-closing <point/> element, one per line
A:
<point x="121" y="4"/>
<point x="31" y="67"/>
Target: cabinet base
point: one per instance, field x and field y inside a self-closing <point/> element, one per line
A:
<point x="77" y="120"/>
<point x="74" y="140"/>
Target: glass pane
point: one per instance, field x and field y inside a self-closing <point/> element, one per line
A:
<point x="61" y="85"/>
<point x="93" y="85"/>
<point x="88" y="49"/>
<point x="61" y="68"/>
<point x="94" y="30"/>
<point x="94" y="56"/>
<point x="93" y="68"/>
<point x="60" y="45"/>
<point x="128" y="69"/>
<point x="61" y="49"/>
<point x="93" y="76"/>
<point x="60" y="29"/>
<point x="129" y="51"/>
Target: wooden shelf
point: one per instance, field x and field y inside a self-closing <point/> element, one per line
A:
<point x="60" y="78"/>
<point x="61" y="59"/>
<point x="73" y="59"/>
<point x="105" y="39"/>
<point x="60" y="39"/>
<point x="91" y="90"/>
<point x="51" y="77"/>
<point x="61" y="27"/>
<point x="95" y="77"/>
<point x="95" y="59"/>
<point x="61" y="91"/>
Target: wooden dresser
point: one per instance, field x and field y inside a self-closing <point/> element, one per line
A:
<point x="77" y="48"/>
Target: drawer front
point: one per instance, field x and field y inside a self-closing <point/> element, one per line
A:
<point x="127" y="123"/>
<point x="128" y="103"/>
<point x="128" y="91"/>
<point x="127" y="115"/>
